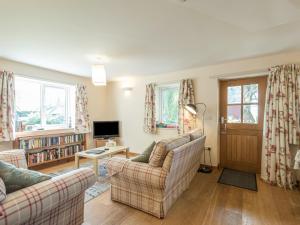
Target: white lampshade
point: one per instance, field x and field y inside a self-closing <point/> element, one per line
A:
<point x="99" y="75"/>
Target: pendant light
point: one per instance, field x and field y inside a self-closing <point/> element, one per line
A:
<point x="99" y="75"/>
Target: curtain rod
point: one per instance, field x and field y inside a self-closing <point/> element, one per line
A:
<point x="251" y="73"/>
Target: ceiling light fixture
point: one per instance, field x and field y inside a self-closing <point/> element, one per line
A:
<point x="98" y="75"/>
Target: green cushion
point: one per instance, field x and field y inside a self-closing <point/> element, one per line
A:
<point x="144" y="157"/>
<point x="17" y="178"/>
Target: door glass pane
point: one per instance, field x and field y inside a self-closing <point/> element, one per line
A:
<point x="234" y="113"/>
<point x="55" y="106"/>
<point x="250" y="113"/>
<point x="234" y="95"/>
<point x="250" y="93"/>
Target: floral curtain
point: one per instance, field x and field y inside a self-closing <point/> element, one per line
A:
<point x="281" y="124"/>
<point x="7" y="106"/>
<point x="186" y="96"/>
<point x="149" y="117"/>
<point x="82" y="118"/>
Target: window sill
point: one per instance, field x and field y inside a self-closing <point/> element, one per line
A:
<point x="43" y="132"/>
<point x="166" y="128"/>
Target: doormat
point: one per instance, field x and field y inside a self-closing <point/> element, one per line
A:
<point x="238" y="179"/>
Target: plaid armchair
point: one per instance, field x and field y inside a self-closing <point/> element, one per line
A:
<point x="58" y="201"/>
<point x="155" y="189"/>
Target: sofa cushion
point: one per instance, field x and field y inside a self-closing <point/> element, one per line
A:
<point x="18" y="178"/>
<point x="144" y="157"/>
<point x="173" y="143"/>
<point x="195" y="134"/>
<point x="15" y="157"/>
<point x="168" y="161"/>
<point x="2" y="190"/>
<point x="162" y="148"/>
<point x="158" y="155"/>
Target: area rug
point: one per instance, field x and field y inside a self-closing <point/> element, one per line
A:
<point x="238" y="179"/>
<point x="102" y="184"/>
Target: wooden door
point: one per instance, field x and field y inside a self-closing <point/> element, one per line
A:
<point x="241" y="124"/>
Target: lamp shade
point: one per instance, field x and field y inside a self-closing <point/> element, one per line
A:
<point x="99" y="75"/>
<point x="191" y="108"/>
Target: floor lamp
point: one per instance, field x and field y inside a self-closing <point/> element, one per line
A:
<point x="195" y="110"/>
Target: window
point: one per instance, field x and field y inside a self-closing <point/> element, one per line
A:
<point x="167" y="105"/>
<point x="242" y="104"/>
<point x="42" y="105"/>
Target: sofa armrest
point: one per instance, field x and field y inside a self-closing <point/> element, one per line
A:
<point x="140" y="174"/>
<point x="28" y="203"/>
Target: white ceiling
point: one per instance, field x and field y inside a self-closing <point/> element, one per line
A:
<point x="144" y="37"/>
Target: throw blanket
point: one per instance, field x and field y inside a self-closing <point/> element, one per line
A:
<point x="297" y="161"/>
<point x="115" y="165"/>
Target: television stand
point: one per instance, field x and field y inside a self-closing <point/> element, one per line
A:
<point x="101" y="142"/>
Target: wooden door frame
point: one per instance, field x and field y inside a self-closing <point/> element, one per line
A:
<point x="222" y="97"/>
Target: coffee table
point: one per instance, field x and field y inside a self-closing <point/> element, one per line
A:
<point x="95" y="157"/>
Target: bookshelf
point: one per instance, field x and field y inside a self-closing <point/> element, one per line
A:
<point x="43" y="150"/>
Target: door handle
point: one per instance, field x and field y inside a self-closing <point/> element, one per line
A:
<point x="223" y="122"/>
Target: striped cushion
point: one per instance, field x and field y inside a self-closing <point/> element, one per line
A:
<point x="162" y="148"/>
<point x="195" y="134"/>
<point x="2" y="190"/>
<point x="158" y="155"/>
<point x="168" y="161"/>
<point x="15" y="157"/>
<point x="173" y="143"/>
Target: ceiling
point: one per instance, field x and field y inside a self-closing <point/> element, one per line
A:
<point x="143" y="37"/>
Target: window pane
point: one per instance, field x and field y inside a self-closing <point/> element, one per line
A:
<point x="250" y="93"/>
<point x="28" y="98"/>
<point x="234" y="114"/>
<point x="250" y="113"/>
<point x="234" y="95"/>
<point x="169" y="98"/>
<point x="55" y="106"/>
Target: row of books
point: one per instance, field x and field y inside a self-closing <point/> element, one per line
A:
<point x="71" y="138"/>
<point x="70" y="150"/>
<point x="52" y="154"/>
<point x="50" y="141"/>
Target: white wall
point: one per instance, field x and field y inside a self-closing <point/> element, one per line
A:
<point x="129" y="109"/>
<point x="96" y="95"/>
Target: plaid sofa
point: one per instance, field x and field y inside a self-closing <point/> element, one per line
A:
<point x="58" y="201"/>
<point x="155" y="189"/>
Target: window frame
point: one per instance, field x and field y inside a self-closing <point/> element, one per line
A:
<point x="69" y="103"/>
<point x="242" y="104"/>
<point x="159" y="103"/>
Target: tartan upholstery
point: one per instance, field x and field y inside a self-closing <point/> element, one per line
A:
<point x="115" y="165"/>
<point x="15" y="157"/>
<point x="58" y="201"/>
<point x="155" y="189"/>
<point x="158" y="155"/>
<point x="172" y="143"/>
<point x="2" y="190"/>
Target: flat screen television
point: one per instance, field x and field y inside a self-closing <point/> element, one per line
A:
<point x="106" y="129"/>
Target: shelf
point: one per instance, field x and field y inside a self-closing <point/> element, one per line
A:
<point x="45" y="133"/>
<point x="53" y="147"/>
<point x="49" y="161"/>
<point x="78" y="143"/>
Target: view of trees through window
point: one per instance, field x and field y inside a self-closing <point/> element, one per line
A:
<point x="242" y="104"/>
<point x="43" y="105"/>
<point x="167" y="105"/>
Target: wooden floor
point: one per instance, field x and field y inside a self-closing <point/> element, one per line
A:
<point x="205" y="203"/>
